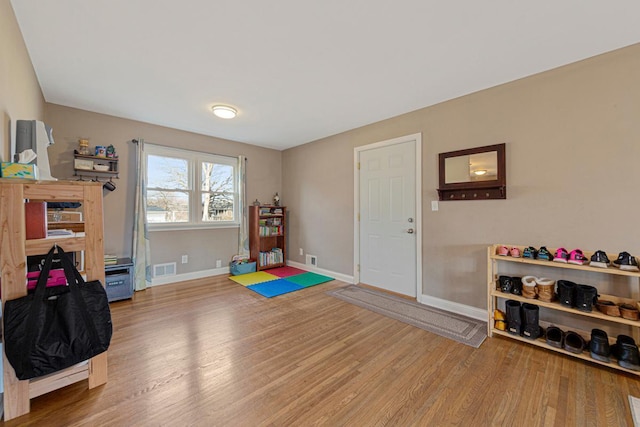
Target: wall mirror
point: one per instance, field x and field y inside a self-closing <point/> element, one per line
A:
<point x="473" y="174"/>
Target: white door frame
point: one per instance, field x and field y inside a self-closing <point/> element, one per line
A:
<point x="417" y="137"/>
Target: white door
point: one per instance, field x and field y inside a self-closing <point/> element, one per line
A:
<point x="387" y="202"/>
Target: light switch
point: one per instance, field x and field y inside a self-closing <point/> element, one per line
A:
<point x="434" y="205"/>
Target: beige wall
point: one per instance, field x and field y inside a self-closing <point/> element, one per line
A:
<point x="573" y="150"/>
<point x="20" y="94"/>
<point x="203" y="247"/>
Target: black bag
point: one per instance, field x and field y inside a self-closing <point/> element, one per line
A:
<point x="57" y="327"/>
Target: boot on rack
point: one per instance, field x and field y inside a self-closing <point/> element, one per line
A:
<point x="517" y="285"/>
<point x="514" y="317"/>
<point x="529" y="287"/>
<point x="567" y="293"/>
<point x="506" y="285"/>
<point x="586" y="297"/>
<point x="531" y="314"/>
<point x="546" y="289"/>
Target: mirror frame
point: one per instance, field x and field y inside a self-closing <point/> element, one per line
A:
<point x="477" y="190"/>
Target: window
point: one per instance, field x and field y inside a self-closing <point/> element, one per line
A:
<point x="189" y="189"/>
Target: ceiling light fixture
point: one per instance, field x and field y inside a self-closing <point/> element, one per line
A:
<point x="224" y="111"/>
<point x="480" y="172"/>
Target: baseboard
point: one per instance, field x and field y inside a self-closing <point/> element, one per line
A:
<point x="339" y="276"/>
<point x="167" y="280"/>
<point x="454" y="307"/>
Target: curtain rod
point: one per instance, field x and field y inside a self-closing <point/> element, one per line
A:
<point x="137" y="140"/>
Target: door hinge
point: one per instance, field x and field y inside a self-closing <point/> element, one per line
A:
<point x="358" y="216"/>
<point x="358" y="268"/>
<point x="358" y="165"/>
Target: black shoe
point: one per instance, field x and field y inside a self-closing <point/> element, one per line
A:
<point x="567" y="292"/>
<point x="555" y="337"/>
<point x="599" y="259"/>
<point x="517" y="285"/>
<point x="599" y="345"/>
<point x="544" y="254"/>
<point x="626" y="351"/>
<point x="531" y="317"/>
<point x="506" y="284"/>
<point x="626" y="262"/>
<point x="514" y="317"/>
<point x="530" y="252"/>
<point x="574" y="343"/>
<point x="586" y="297"/>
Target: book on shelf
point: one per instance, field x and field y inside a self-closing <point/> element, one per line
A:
<point x="110" y="259"/>
<point x="275" y="256"/>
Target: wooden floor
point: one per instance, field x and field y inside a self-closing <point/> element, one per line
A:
<point x="212" y="353"/>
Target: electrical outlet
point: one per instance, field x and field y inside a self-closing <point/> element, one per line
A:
<point x="185" y="259"/>
<point x="218" y="263"/>
<point x="301" y="251"/>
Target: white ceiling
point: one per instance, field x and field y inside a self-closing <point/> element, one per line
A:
<point x="300" y="70"/>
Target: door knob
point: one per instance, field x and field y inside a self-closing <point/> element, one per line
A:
<point x="410" y="231"/>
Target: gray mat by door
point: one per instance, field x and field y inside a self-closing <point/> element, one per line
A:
<point x="449" y="325"/>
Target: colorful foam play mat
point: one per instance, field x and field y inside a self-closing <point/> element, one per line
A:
<point x="278" y="281"/>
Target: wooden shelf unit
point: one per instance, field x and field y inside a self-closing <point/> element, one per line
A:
<point x="494" y="294"/>
<point x="14" y="249"/>
<point x="261" y="243"/>
<point x="110" y="162"/>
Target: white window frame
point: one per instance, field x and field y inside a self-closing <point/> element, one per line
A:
<point x="194" y="164"/>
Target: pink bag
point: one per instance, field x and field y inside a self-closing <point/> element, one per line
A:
<point x="56" y="278"/>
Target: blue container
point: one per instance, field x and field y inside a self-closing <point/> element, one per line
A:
<point x="244" y="268"/>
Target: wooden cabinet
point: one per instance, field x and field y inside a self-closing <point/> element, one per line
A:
<point x="267" y="236"/>
<point x="628" y="293"/>
<point x="14" y="248"/>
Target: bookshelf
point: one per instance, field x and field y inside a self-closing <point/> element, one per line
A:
<point x="267" y="236"/>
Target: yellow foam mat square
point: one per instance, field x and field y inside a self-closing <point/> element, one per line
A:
<point x="253" y="278"/>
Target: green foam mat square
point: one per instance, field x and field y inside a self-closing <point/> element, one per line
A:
<point x="253" y="278"/>
<point x="309" y="279"/>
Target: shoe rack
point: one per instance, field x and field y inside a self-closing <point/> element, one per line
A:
<point x="555" y="270"/>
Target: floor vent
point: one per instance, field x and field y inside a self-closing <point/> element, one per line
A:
<point x="167" y="269"/>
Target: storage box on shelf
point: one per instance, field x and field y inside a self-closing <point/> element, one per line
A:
<point x="267" y="236"/>
<point x="14" y="249"/>
<point x="556" y="269"/>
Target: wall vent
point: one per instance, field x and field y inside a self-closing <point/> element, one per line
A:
<point x="312" y="260"/>
<point x="167" y="269"/>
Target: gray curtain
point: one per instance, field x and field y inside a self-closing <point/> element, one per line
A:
<point x="141" y="251"/>
<point x="243" y="234"/>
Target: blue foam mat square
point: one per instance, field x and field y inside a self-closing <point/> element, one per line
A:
<point x="275" y="288"/>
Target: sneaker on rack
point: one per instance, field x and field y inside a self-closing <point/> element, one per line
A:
<point x="530" y="252"/>
<point x="515" y="252"/>
<point x="544" y="254"/>
<point x="599" y="259"/>
<point x="503" y="251"/>
<point x="626" y="262"/>
<point x="561" y="255"/>
<point x="577" y="257"/>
